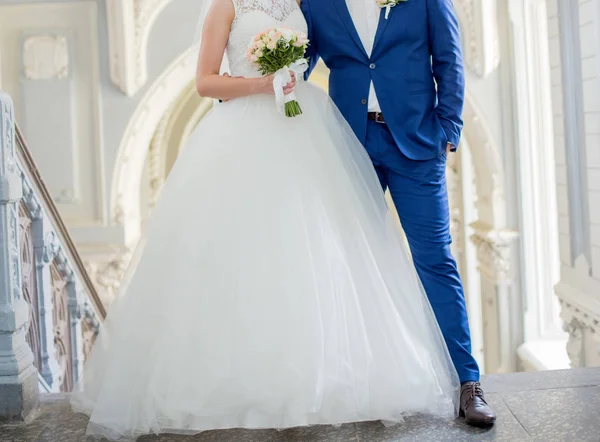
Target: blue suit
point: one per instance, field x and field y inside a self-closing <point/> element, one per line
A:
<point x="416" y="68"/>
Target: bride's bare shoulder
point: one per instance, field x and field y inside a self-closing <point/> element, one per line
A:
<point x="223" y="6"/>
<point x="220" y="11"/>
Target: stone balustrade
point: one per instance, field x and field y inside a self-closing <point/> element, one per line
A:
<point x="49" y="310"/>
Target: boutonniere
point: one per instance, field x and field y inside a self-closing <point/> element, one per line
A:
<point x="388" y="5"/>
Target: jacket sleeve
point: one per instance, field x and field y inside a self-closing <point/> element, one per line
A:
<point x="312" y="53"/>
<point x="447" y="64"/>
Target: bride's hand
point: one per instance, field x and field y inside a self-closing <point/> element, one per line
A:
<point x="287" y="89"/>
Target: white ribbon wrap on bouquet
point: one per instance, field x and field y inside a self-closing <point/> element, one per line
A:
<point x="388" y="8"/>
<point x="282" y="77"/>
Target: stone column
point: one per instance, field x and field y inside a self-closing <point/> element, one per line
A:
<point x="18" y="376"/>
<point x="501" y="308"/>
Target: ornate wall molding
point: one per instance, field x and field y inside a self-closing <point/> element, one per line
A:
<point x="45" y="57"/>
<point x="579" y="322"/>
<point x="205" y="105"/>
<point x="481" y="45"/>
<point x="133" y="149"/>
<point x="580" y="312"/>
<point x="487" y="166"/>
<point x="571" y="312"/>
<point x="494" y="248"/>
<point x="129" y="24"/>
<point x="107" y="274"/>
<point x="170" y="137"/>
<point x="156" y="163"/>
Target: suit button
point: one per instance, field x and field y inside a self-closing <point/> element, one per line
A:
<point x="372" y="66"/>
<point x="363" y="101"/>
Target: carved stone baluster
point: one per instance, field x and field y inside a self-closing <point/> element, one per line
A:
<point x="575" y="342"/>
<point x="89" y="328"/>
<point x="29" y="283"/>
<point x="76" y="316"/>
<point x="46" y="248"/>
<point x="580" y="320"/>
<point x="18" y="375"/>
<point x="494" y="248"/>
<point x="62" y="328"/>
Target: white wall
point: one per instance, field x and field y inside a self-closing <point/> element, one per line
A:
<point x="575" y="54"/>
<point x="49" y="65"/>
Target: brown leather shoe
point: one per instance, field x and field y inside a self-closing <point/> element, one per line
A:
<point x="473" y="406"/>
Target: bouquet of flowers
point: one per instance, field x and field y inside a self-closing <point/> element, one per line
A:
<point x="280" y="51"/>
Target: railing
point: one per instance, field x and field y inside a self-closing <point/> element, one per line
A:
<point x="45" y="292"/>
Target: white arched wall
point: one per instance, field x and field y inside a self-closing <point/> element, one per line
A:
<point x="170" y="137"/>
<point x="129" y="25"/>
<point x="134" y="146"/>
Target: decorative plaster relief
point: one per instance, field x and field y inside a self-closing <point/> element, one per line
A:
<point x="45" y="57"/>
<point x="479" y="23"/>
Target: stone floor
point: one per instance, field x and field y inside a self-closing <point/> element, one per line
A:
<point x="554" y="406"/>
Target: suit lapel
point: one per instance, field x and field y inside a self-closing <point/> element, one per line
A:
<point x="381" y="29"/>
<point x="342" y="8"/>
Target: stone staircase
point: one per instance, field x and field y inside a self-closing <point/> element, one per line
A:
<point x="50" y="311"/>
<point x="551" y="406"/>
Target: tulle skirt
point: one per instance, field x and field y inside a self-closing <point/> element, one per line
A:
<point x="273" y="291"/>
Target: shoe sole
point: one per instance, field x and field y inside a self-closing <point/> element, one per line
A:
<point x="480" y="424"/>
<point x="487" y="424"/>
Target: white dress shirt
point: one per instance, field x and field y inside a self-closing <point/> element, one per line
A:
<point x="365" y="15"/>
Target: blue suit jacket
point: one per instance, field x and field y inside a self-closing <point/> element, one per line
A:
<point x="415" y="49"/>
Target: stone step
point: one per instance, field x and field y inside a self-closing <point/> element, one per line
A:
<point x="552" y="406"/>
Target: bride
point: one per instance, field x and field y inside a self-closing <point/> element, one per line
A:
<point x="274" y="289"/>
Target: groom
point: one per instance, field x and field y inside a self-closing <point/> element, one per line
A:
<point x="399" y="82"/>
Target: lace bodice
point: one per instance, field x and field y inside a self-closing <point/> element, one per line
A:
<point x="252" y="17"/>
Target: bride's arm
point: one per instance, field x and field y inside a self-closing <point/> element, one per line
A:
<point x="215" y="34"/>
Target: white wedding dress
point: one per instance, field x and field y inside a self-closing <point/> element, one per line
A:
<point x="274" y="289"/>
